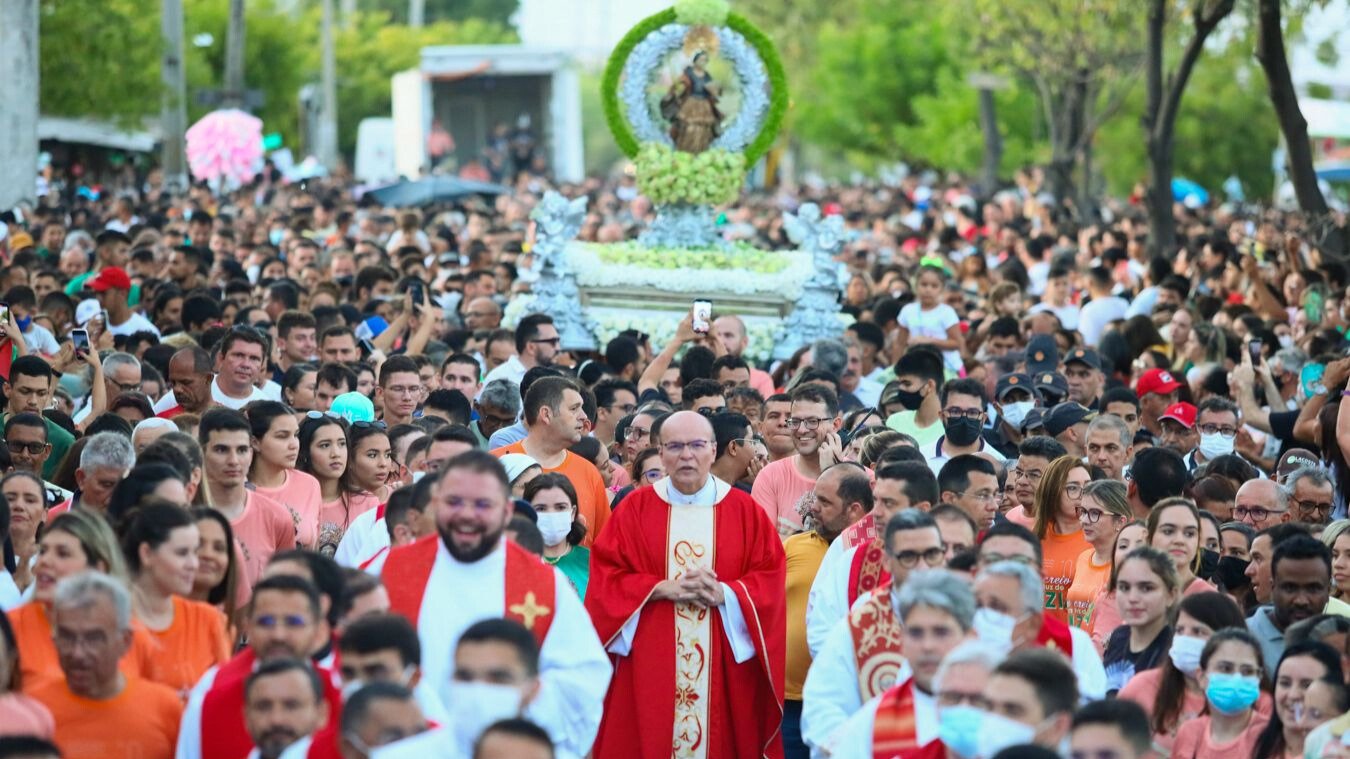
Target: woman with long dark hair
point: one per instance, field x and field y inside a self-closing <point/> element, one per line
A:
<point x="1301" y="665"/>
<point x="1057" y="499"/>
<point x="1146" y="589"/>
<point x="555" y="501"/>
<point x="273" y="473"/>
<point x="220" y="579"/>
<point x="1171" y="692"/>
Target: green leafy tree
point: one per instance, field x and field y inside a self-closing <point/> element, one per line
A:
<point x="99" y="58"/>
<point x="491" y="11"/>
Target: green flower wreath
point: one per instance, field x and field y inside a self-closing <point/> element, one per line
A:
<point x="778" y="96"/>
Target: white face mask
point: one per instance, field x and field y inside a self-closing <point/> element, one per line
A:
<point x="1015" y="413"/>
<point x="998" y="732"/>
<point x="1216" y="445"/>
<point x="555" y="526"/>
<point x="475" y="706"/>
<point x="1185" y="653"/>
<point x="994" y="629"/>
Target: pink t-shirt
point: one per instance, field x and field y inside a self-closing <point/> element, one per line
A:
<point x="778" y="490"/>
<point x="335" y="516"/>
<point x="1193" y="741"/>
<point x="265" y="528"/>
<point x="1106" y="617"/>
<point x="1143" y="690"/>
<point x="1018" y="515"/>
<point x="301" y="495"/>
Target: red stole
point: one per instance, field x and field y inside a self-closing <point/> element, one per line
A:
<point x="862" y="531"/>
<point x="745" y="700"/>
<point x="224" y="735"/>
<point x="877" y="644"/>
<point x="170" y="413"/>
<point x="1056" y="636"/>
<point x="530" y="584"/>
<point x="867" y="571"/>
<point x="895" y="730"/>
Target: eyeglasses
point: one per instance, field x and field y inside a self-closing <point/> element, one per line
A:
<point x="626" y="408"/>
<point x="127" y="387"/>
<point x="676" y="448"/>
<point x="1034" y="475"/>
<point x="378" y="425"/>
<point x="634" y="433"/>
<point x="292" y="621"/>
<point x="1091" y="516"/>
<point x="959" y="413"/>
<point x="321" y="415"/>
<point x="32" y="449"/>
<point x="554" y="341"/>
<point x="932" y="557"/>
<point x="710" y="411"/>
<point x="652" y="475"/>
<point x="1323" y="509"/>
<point x="982" y="495"/>
<point x="1257" y="513"/>
<point x="1073" y="490"/>
<point x="952" y="698"/>
<point x="404" y="390"/>
<point x="1212" y="429"/>
<point x="994" y="558"/>
<point x="810" y="424"/>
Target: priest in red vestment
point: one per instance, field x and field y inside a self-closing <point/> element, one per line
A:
<point x="284" y="623"/>
<point x="687" y="594"/>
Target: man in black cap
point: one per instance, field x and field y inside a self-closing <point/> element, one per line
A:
<point x="1042" y="355"/>
<point x="1052" y="386"/>
<point x="1068" y="423"/>
<point x="1014" y="397"/>
<point x="1083" y="371"/>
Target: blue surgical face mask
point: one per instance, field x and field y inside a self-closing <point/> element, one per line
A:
<point x="1232" y="693"/>
<point x="275" y="236"/>
<point x="23" y="323"/>
<point x="959" y="729"/>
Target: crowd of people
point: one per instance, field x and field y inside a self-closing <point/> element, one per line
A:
<point x="279" y="482"/>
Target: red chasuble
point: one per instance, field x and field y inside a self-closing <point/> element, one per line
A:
<point x="867" y="570"/>
<point x="224" y="735"/>
<point x="737" y="711"/>
<point x="895" y="729"/>
<point x="877" y="644"/>
<point x="530" y="584"/>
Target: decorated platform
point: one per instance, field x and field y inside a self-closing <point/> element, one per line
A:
<point x="694" y="95"/>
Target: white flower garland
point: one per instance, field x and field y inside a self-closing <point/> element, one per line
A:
<point x="591" y="273"/>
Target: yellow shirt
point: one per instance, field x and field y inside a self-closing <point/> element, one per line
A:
<point x="804" y="552"/>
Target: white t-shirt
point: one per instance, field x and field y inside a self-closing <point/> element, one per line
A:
<point x="41" y="340"/>
<point x="933" y="323"/>
<point x="1097" y="314"/>
<point x="217" y="395"/>
<point x="136" y="323"/>
<point x="1068" y="314"/>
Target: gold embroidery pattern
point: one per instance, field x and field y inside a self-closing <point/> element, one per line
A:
<point x="877" y="645"/>
<point x="691" y="544"/>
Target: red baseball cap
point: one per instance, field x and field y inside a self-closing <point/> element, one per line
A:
<point x="111" y="278"/>
<point x="1184" y="413"/>
<point x="1156" y="381"/>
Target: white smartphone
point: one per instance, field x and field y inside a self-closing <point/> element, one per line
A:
<point x="702" y="316"/>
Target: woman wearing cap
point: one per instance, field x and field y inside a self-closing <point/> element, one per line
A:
<point x="520" y="469"/>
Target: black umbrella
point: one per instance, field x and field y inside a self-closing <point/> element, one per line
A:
<point x="433" y="189"/>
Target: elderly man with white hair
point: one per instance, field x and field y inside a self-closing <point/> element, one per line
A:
<point x="1011" y="617"/>
<point x="104" y="462"/>
<point x="121" y="374"/>
<point x="149" y="430"/>
<point x="91" y="628"/>
<point x="937" y="608"/>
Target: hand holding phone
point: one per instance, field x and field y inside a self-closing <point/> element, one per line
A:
<point x="80" y="339"/>
<point x="702" y="312"/>
<point x="1254" y="350"/>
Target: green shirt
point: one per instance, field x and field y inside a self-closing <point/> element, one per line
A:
<point x="576" y="567"/>
<point x="76" y="286"/>
<point x="61" y="442"/>
<point x="903" y="421"/>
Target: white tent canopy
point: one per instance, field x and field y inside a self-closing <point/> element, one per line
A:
<point x="1326" y="118"/>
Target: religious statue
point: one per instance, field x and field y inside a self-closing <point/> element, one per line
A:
<point x="691" y="107"/>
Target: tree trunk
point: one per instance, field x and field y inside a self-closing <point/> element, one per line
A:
<point x="993" y="141"/>
<point x="328" y="128"/>
<point x="19" y="105"/>
<point x="1160" y="113"/>
<point x="1330" y="238"/>
<point x="234" y="57"/>
<point x="173" y="109"/>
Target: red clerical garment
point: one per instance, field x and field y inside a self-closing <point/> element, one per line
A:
<point x="224" y="735"/>
<point x="724" y="710"/>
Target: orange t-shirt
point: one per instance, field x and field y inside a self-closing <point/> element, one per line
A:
<point x="140" y="722"/>
<point x="195" y="642"/>
<point x="1089" y="578"/>
<point x="592" y="498"/>
<point x="301" y="496"/>
<point x="1061" y="557"/>
<point x="37" y="652"/>
<point x="263" y="529"/>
